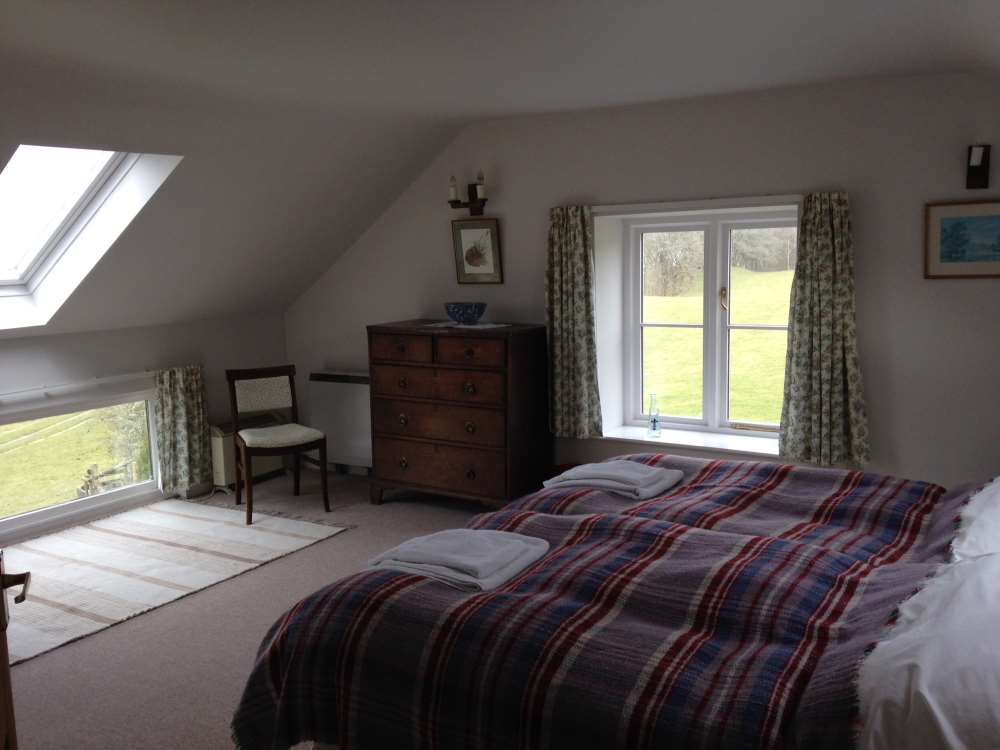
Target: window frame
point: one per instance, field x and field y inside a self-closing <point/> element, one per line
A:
<point x="68" y="399"/>
<point x="717" y="219"/>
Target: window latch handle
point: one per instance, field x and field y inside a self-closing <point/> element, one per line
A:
<point x="724" y="298"/>
<point x="16" y="579"/>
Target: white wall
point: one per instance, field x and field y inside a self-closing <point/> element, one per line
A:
<point x="609" y="273"/>
<point x="930" y="349"/>
<point x="250" y="341"/>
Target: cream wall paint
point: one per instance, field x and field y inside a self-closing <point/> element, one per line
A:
<point x="930" y="349"/>
<point x="248" y="341"/>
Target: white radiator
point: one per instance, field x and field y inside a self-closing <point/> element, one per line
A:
<point x="223" y="463"/>
<point x="340" y="406"/>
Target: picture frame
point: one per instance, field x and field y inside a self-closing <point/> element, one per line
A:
<point x="477" y="251"/>
<point x="962" y="240"/>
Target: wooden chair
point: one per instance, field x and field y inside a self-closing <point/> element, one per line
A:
<point x="269" y="389"/>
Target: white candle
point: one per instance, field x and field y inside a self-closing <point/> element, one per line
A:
<point x="480" y="186"/>
<point x="452" y="189"/>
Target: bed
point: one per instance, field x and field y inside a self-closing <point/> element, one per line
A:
<point x="732" y="612"/>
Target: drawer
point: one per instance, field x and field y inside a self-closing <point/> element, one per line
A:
<point x="485" y="352"/>
<point x="400" y="348"/>
<point x="389" y="380"/>
<point x="472" y="386"/>
<point x="458" y="424"/>
<point x="469" y="386"/>
<point x="459" y="470"/>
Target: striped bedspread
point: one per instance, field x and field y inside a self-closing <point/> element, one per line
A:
<point x="730" y="613"/>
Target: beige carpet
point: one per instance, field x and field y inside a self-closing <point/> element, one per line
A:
<point x="89" y="577"/>
<point x="172" y="677"/>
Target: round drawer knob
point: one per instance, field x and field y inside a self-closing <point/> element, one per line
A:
<point x="403" y="463"/>
<point x="470" y="474"/>
<point x="470" y="427"/>
<point x="402" y="383"/>
<point x="469" y="388"/>
<point x="469" y="353"/>
<point x="403" y="419"/>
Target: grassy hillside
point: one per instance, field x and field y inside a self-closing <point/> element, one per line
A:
<point x="672" y="357"/>
<point x="43" y="462"/>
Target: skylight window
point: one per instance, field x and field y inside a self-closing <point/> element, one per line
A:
<point x="42" y="189"/>
<point x="61" y="210"/>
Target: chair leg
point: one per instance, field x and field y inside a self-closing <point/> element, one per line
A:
<point x="297" y="463"/>
<point x="248" y="468"/>
<point x="239" y="480"/>
<point x="323" y="475"/>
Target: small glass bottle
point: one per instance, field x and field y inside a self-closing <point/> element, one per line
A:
<point x="654" y="417"/>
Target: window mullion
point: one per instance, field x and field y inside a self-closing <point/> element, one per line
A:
<point x="710" y="342"/>
<point x="721" y="371"/>
<point x="633" y="339"/>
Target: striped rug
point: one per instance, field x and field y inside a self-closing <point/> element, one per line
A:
<point x="88" y="577"/>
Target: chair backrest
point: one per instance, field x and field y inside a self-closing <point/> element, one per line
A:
<point x="262" y="389"/>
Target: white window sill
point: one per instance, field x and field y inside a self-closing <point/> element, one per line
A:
<point x="76" y="512"/>
<point x="714" y="441"/>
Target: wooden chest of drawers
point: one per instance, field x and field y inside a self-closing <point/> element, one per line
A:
<point x="459" y="411"/>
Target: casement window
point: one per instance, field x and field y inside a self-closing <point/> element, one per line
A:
<point x="706" y="318"/>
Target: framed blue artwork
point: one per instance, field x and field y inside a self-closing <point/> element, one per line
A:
<point x="962" y="240"/>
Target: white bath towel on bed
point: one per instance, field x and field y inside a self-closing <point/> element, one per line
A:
<point x="629" y="478"/>
<point x="468" y="559"/>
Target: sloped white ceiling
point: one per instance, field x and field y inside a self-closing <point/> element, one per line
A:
<point x="469" y="57"/>
<point x="263" y="201"/>
<point x="300" y="122"/>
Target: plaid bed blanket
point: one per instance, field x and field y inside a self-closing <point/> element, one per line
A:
<point x="731" y="613"/>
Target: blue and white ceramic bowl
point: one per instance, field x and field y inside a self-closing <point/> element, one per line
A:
<point x="465" y="313"/>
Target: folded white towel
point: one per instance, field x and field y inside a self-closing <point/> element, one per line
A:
<point x="620" y="470"/>
<point x="468" y="559"/>
<point x="639" y="483"/>
<point x="633" y="493"/>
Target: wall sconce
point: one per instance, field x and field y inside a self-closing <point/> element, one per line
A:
<point x="476" y="191"/>
<point x="977" y="175"/>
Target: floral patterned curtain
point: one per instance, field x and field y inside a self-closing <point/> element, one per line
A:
<point x="569" y="305"/>
<point x="823" y="420"/>
<point x="182" y="430"/>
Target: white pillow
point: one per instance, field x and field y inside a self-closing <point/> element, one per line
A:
<point x="934" y="683"/>
<point x="979" y="532"/>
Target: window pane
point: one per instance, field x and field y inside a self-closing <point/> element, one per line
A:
<point x="52" y="460"/>
<point x="756" y="375"/>
<point x="762" y="261"/>
<point x="672" y="369"/>
<point x="673" y="275"/>
<point x="39" y="187"/>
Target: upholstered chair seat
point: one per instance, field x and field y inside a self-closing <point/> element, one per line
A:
<point x="279" y="436"/>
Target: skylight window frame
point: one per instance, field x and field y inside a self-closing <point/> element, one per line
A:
<point x="75" y="220"/>
<point x="114" y="207"/>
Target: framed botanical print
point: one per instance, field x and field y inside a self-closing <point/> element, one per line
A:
<point x="477" y="251"/>
<point x="962" y="240"/>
